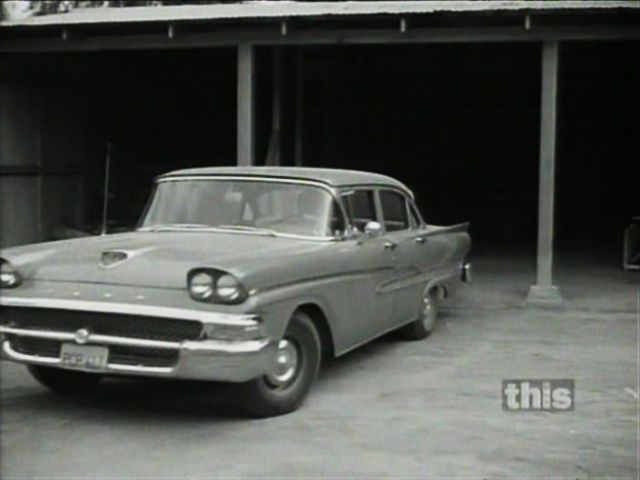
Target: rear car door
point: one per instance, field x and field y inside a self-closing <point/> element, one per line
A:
<point x="406" y="236"/>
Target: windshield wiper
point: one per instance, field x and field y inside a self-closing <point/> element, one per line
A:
<point x="245" y="228"/>
<point x="176" y="226"/>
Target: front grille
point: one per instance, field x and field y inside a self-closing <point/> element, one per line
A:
<point x="149" y="357"/>
<point x="118" y="354"/>
<point x="122" y="325"/>
<point x="35" y="346"/>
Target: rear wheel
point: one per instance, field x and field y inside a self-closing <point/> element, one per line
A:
<point x="426" y="322"/>
<point x="294" y="369"/>
<point x="64" y="381"/>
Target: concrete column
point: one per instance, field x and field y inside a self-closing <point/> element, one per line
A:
<point x="544" y="292"/>
<point x="246" y="105"/>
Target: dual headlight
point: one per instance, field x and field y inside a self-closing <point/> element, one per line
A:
<point x="209" y="285"/>
<point x="9" y="276"/>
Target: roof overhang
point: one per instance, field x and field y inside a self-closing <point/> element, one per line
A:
<point x="291" y="22"/>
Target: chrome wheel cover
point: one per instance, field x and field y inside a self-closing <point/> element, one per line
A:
<point x="285" y="365"/>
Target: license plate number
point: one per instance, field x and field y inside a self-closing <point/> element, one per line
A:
<point x="84" y="357"/>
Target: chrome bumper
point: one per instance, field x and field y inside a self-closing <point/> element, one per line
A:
<point x="231" y="361"/>
<point x="206" y="359"/>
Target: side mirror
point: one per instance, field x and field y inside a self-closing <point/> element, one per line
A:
<point x="372" y="230"/>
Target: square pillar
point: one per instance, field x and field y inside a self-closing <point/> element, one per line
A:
<point x="299" y="106"/>
<point x="246" y="105"/>
<point x="274" y="153"/>
<point x="544" y="292"/>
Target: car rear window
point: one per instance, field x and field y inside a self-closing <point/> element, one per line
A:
<point x="394" y="211"/>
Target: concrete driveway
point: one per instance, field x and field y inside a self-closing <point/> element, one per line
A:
<point x="391" y="409"/>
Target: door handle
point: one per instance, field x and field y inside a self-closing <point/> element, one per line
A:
<point x="389" y="245"/>
<point x="420" y="240"/>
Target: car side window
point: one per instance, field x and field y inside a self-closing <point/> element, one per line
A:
<point x="360" y="208"/>
<point x="394" y="211"/>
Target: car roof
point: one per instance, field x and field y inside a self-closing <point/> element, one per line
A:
<point x="332" y="177"/>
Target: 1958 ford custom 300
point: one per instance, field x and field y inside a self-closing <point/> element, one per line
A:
<point x="247" y="275"/>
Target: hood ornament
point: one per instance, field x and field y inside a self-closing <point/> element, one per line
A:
<point x="112" y="258"/>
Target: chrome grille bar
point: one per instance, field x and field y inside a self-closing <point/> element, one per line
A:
<point x="91" y="338"/>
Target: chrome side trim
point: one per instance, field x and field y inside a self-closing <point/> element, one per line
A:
<point x="432" y="283"/>
<point x="431" y="277"/>
<point x="91" y="338"/>
<point x="238" y="320"/>
<point x="352" y="274"/>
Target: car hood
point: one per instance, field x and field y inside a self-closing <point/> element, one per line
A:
<point x="158" y="259"/>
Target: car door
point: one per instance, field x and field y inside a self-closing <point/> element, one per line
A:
<point x="404" y="240"/>
<point x="412" y="252"/>
<point x="371" y="265"/>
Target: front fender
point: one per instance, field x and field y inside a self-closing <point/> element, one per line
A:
<point x="277" y="305"/>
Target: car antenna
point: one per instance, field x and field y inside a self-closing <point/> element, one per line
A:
<point x="105" y="203"/>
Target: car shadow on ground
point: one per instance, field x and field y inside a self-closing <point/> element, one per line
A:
<point x="126" y="397"/>
<point x="348" y="364"/>
<point x="181" y="400"/>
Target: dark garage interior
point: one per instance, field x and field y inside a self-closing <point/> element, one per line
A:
<point x="458" y="123"/>
<point x="461" y="128"/>
<point x="520" y="117"/>
<point x="160" y="111"/>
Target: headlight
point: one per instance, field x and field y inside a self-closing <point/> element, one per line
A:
<point x="215" y="286"/>
<point x="201" y="286"/>
<point x="9" y="276"/>
<point x="228" y="288"/>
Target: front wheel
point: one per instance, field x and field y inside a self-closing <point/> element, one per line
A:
<point x="64" y="381"/>
<point x="426" y="322"/>
<point x="293" y="371"/>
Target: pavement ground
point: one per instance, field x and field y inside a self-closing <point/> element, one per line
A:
<point x="391" y="409"/>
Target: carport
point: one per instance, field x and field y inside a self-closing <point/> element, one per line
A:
<point x="504" y="119"/>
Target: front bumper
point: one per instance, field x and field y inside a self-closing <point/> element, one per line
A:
<point x="202" y="359"/>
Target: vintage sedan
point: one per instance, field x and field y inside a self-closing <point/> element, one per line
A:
<point x="249" y="275"/>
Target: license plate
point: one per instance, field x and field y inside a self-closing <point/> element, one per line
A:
<point x="84" y="357"/>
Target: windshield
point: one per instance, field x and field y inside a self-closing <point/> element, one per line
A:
<point x="253" y="206"/>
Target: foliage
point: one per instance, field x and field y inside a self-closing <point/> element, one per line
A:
<point x="25" y="8"/>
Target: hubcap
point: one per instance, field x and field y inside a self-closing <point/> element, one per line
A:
<point x="285" y="364"/>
